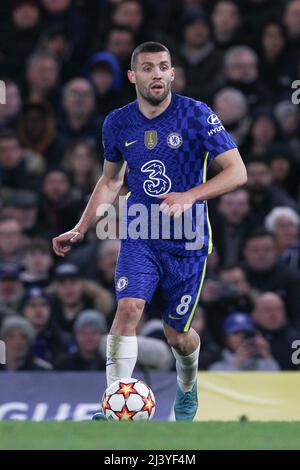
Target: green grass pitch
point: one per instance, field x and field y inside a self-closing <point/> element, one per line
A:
<point x="149" y="436"/>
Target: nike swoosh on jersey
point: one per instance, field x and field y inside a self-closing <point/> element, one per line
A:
<point x="127" y="144"/>
<point x="175" y="318"/>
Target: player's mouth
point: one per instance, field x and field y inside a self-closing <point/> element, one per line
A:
<point x="157" y="87"/>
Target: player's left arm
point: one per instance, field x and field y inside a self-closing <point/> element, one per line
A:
<point x="233" y="175"/>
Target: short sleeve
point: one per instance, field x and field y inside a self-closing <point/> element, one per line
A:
<point x="109" y="142"/>
<point x="214" y="136"/>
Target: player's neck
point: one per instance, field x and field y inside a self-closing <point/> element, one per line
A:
<point x="151" y="111"/>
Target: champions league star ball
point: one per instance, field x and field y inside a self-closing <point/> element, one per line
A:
<point x="128" y="400"/>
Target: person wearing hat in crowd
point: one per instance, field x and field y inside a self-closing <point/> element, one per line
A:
<point x="18" y="335"/>
<point x="37" y="261"/>
<point x="245" y="349"/>
<point x="72" y="294"/>
<point x="11" y="288"/>
<point x="89" y="328"/>
<point x="36" y="307"/>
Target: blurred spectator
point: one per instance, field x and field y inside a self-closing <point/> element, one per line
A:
<point x="179" y="83"/>
<point x="11" y="241"/>
<point x="245" y="349"/>
<point x="275" y="63"/>
<point x="36" y="130"/>
<point x="121" y="42"/>
<point x="18" y="335"/>
<point x="284" y="223"/>
<point x="42" y="76"/>
<point x="89" y="328"/>
<point x="285" y="169"/>
<point x="231" y="106"/>
<point x="79" y="118"/>
<point x="59" y="208"/>
<point x="19" y="169"/>
<point x="288" y="117"/>
<point x="37" y="262"/>
<point x="23" y="206"/>
<point x="104" y="72"/>
<point x="106" y="264"/>
<point x="231" y="293"/>
<point x="200" y="57"/>
<point x="129" y="13"/>
<point x="48" y="342"/>
<point x="227" y="22"/>
<point x="72" y="294"/>
<point x="270" y="317"/>
<point x="230" y="225"/>
<point x="11" y="288"/>
<point x="82" y="164"/>
<point x="256" y="13"/>
<point x="241" y="71"/>
<point x="64" y="14"/>
<point x="10" y="112"/>
<point x="19" y="36"/>
<point x="263" y="133"/>
<point x="266" y="274"/>
<point x="291" y="21"/>
<point x="57" y="42"/>
<point x="264" y="195"/>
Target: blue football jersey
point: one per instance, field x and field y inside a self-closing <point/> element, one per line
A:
<point x="169" y="153"/>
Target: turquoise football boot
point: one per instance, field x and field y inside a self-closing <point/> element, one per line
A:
<point x="99" y="416"/>
<point x="186" y="404"/>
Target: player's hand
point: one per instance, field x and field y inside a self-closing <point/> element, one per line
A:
<point x="63" y="243"/>
<point x="174" y="204"/>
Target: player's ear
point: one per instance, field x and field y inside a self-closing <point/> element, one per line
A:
<point x="172" y="74"/>
<point x="131" y="76"/>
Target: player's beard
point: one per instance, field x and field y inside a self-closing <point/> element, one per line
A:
<point x="149" y="96"/>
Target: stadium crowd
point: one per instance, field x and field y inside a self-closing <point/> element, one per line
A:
<point x="64" y="64"/>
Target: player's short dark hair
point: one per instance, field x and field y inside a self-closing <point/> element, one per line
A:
<point x="150" y="46"/>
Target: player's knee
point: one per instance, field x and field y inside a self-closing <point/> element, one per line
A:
<point x="130" y="310"/>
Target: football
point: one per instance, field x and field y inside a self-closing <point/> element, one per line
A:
<point x="128" y="399"/>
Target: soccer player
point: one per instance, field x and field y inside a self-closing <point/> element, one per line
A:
<point x="168" y="142"/>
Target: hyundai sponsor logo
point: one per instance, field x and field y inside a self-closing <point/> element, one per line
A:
<point x="213" y="119"/>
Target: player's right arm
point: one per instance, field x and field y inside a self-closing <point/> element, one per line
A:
<point x="105" y="192"/>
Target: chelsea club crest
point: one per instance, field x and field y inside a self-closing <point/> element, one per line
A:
<point x="174" y="140"/>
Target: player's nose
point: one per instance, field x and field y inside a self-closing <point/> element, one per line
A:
<point x="157" y="73"/>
